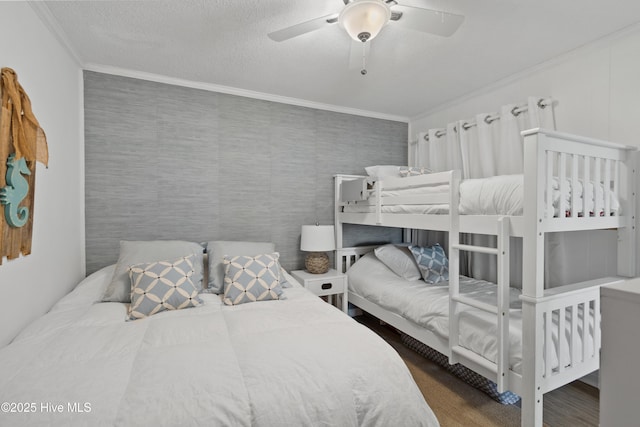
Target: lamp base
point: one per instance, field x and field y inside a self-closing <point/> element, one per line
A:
<point x="317" y="263"/>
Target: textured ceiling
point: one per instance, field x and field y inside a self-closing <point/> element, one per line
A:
<point x="225" y="43"/>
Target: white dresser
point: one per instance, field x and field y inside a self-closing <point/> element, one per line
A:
<point x="620" y="354"/>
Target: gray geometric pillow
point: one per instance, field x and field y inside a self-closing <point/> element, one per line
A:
<point x="162" y="285"/>
<point x="218" y="249"/>
<point x="432" y="262"/>
<point x="252" y="278"/>
<point x="138" y="252"/>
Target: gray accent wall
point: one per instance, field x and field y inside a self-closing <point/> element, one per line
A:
<point x="170" y="162"/>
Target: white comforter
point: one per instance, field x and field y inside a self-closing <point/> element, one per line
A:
<point x="297" y="362"/>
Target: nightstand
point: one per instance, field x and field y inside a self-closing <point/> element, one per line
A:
<point x="329" y="284"/>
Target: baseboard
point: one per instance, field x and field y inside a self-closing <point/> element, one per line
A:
<point x="593" y="379"/>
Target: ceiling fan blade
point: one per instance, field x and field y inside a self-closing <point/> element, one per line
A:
<point x="355" y="54"/>
<point x="427" y="20"/>
<point x="303" y="28"/>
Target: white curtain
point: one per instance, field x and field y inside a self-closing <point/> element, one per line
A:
<point x="488" y="145"/>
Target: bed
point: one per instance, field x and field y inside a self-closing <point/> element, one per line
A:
<point x="427" y="305"/>
<point x="570" y="183"/>
<point x="291" y="361"/>
<point x="496" y="195"/>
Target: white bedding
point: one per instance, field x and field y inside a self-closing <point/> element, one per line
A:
<point x="297" y="362"/>
<point x="496" y="195"/>
<point x="428" y="306"/>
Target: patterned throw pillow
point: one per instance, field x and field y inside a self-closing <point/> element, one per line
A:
<point x="218" y="249"/>
<point x="252" y="278"/>
<point x="162" y="285"/>
<point x="138" y="252"/>
<point x="432" y="262"/>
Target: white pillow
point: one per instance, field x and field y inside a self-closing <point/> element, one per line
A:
<point x="406" y="171"/>
<point x="399" y="260"/>
<point x="382" y="171"/>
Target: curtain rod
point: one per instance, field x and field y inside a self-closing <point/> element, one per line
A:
<point x="490" y="118"/>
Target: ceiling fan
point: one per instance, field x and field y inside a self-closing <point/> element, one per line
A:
<point x="363" y="20"/>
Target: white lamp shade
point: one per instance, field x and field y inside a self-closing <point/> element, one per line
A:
<point x="317" y="238"/>
<point x="364" y="16"/>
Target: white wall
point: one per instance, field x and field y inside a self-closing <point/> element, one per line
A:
<point x="31" y="285"/>
<point x="597" y="87"/>
<point x="598" y="92"/>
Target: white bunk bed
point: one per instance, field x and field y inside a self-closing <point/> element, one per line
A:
<point x="554" y="164"/>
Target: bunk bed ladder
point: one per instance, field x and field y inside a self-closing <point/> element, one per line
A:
<point x="499" y="371"/>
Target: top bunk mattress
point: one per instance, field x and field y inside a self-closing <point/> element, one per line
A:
<point x="496" y="195"/>
<point x="427" y="306"/>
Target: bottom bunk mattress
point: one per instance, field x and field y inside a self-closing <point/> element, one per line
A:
<point x="296" y="361"/>
<point x="427" y="306"/>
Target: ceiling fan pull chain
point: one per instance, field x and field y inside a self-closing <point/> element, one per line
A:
<point x="364" y="60"/>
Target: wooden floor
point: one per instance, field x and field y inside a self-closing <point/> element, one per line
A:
<point x="456" y="403"/>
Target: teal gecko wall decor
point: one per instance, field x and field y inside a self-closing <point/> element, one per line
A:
<point x="15" y="191"/>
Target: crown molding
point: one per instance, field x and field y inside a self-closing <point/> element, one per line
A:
<point x="211" y="87"/>
<point x="44" y="13"/>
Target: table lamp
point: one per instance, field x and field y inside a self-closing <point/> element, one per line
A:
<point x="317" y="239"/>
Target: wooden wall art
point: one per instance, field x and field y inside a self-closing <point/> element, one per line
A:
<point x="22" y="143"/>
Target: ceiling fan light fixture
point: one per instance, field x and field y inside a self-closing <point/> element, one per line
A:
<point x="363" y="19"/>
